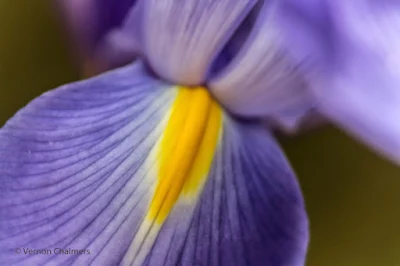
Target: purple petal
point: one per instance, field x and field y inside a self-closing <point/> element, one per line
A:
<point x="72" y="168"/>
<point x="296" y="120"/>
<point x="262" y="80"/>
<point x="181" y="38"/>
<point x="251" y="211"/>
<point x="350" y="51"/>
<point x="95" y="26"/>
<point x="78" y="170"/>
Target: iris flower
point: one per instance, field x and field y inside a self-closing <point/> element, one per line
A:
<point x="165" y="159"/>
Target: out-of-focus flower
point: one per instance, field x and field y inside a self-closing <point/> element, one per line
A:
<point x="350" y="54"/>
<point x="96" y="30"/>
<point x="165" y="161"/>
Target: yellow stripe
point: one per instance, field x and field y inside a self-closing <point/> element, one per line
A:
<point x="186" y="151"/>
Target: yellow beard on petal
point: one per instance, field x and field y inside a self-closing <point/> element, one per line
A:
<point x="186" y="150"/>
<point x="184" y="154"/>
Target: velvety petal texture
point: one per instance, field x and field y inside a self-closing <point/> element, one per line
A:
<point x="350" y="51"/>
<point x="261" y="80"/>
<point x="250" y="212"/>
<point x="123" y="169"/>
<point x="72" y="168"/>
<point x="181" y="38"/>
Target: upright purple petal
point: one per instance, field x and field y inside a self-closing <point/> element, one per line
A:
<point x="350" y="52"/>
<point x="261" y="80"/>
<point x="181" y="38"/>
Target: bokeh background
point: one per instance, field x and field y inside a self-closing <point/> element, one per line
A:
<point x="353" y="196"/>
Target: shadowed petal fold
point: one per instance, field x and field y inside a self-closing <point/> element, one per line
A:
<point x="181" y="38"/>
<point x="262" y="80"/>
<point x="350" y="51"/>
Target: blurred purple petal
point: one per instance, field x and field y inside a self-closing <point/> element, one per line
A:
<point x="350" y="51"/>
<point x="295" y="121"/>
<point x="91" y="20"/>
<point x="94" y="26"/>
<point x="261" y="80"/>
<point x="181" y="38"/>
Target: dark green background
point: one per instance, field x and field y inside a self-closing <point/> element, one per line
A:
<point x="353" y="196"/>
